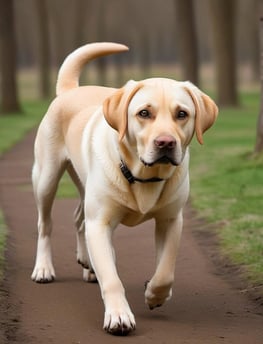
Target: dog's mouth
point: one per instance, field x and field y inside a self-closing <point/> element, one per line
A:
<point x="164" y="160"/>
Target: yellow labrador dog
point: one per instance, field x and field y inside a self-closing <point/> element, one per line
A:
<point x="127" y="151"/>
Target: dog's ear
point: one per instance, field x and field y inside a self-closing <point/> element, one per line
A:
<point x="115" y="108"/>
<point x="206" y="110"/>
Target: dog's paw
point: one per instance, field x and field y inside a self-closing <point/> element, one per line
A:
<point x="82" y="254"/>
<point x="89" y="276"/>
<point x="83" y="263"/>
<point x="156" y="296"/>
<point x="43" y="273"/>
<point x="119" y="323"/>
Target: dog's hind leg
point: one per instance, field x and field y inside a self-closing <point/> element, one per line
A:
<point x="45" y="178"/>
<point x="82" y="251"/>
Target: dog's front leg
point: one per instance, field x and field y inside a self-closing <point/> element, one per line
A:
<point x="118" y="318"/>
<point x="167" y="237"/>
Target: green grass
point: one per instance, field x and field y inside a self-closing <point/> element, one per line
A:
<point x="66" y="188"/>
<point x="14" y="127"/>
<point x="227" y="185"/>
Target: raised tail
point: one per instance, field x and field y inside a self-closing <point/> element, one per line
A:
<point x="69" y="73"/>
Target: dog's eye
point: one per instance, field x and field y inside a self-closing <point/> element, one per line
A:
<point x="181" y="114"/>
<point x="144" y="114"/>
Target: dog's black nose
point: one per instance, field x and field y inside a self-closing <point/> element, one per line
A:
<point x="165" y="141"/>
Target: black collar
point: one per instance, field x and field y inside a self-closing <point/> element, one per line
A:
<point x="131" y="179"/>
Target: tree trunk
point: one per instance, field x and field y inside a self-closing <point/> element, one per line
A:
<point x="223" y="25"/>
<point x="9" y="98"/>
<point x="259" y="137"/>
<point x="144" y="55"/>
<point x="187" y="40"/>
<point x="59" y="32"/>
<point x="101" y="34"/>
<point x="43" y="48"/>
<point x="82" y="8"/>
<point x="254" y="38"/>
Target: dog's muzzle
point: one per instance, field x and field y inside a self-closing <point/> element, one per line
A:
<point x="164" y="151"/>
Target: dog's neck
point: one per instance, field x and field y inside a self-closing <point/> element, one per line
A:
<point x="132" y="179"/>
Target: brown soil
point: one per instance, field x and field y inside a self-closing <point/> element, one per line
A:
<point x="205" y="307"/>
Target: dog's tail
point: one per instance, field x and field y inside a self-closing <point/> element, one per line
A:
<point x="69" y="73"/>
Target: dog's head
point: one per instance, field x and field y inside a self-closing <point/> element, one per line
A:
<point x="159" y="117"/>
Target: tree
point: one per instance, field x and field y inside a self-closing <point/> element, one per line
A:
<point x="248" y="36"/>
<point x="82" y="8"/>
<point x="101" y="34"/>
<point x="259" y="136"/>
<point x="43" y="48"/>
<point x="187" y="40"/>
<point x="223" y="25"/>
<point x="254" y="37"/>
<point x="9" y="97"/>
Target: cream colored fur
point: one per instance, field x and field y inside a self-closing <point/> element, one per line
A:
<point x="87" y="131"/>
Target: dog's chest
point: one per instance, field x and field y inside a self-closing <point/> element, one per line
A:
<point x="145" y="198"/>
<point x="142" y="206"/>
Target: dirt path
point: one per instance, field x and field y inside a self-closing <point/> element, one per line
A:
<point x="205" y="308"/>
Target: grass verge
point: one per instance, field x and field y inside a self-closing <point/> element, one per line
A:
<point x="227" y="185"/>
<point x="13" y="127"/>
